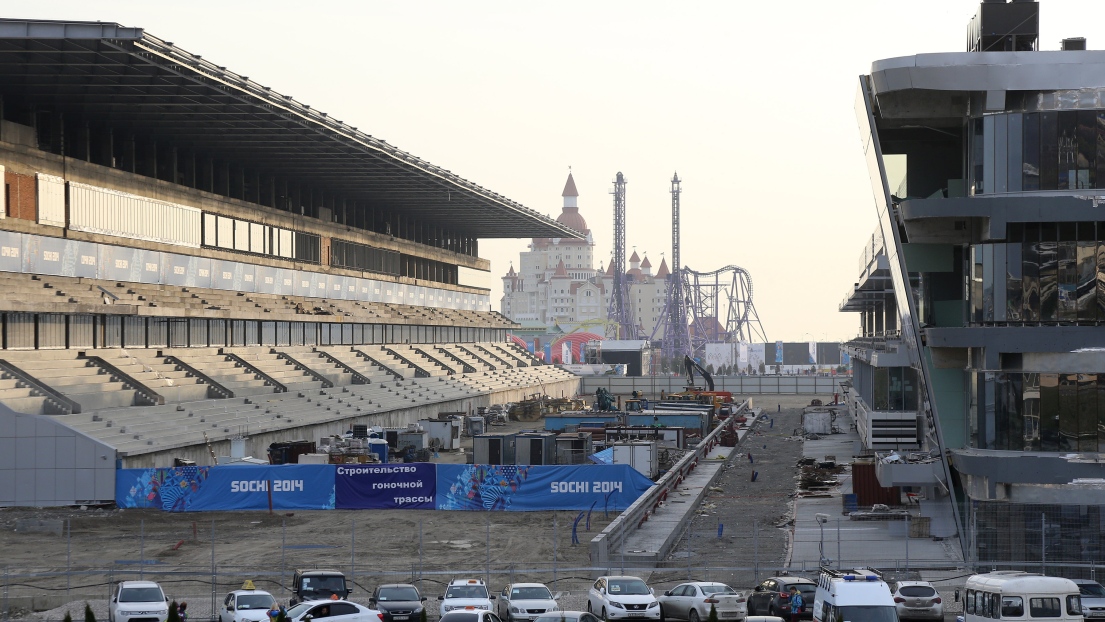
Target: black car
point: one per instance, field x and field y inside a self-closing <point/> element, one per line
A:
<point x="772" y="597"/>
<point x="398" y="602"/>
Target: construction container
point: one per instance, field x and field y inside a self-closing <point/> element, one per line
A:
<point x="475" y="426"/>
<point x="444" y="433"/>
<point x="866" y="485"/>
<point x="493" y="449"/>
<point x="417" y="440"/>
<point x="535" y="448"/>
<point x="379" y="447"/>
<point x="642" y="456"/>
<point x="289" y="452"/>
<point x="573" y="448"/>
<point x="818" y="422"/>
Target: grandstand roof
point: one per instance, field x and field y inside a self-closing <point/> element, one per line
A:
<point x="127" y="79"/>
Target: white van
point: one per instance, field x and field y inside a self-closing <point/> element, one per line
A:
<point x="1017" y="595"/>
<point x="853" y="596"/>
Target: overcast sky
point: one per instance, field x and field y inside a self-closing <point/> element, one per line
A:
<point x="751" y="102"/>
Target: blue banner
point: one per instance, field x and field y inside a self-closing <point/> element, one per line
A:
<point x="539" y="487"/>
<point x="228" y="487"/>
<point x="386" y="486"/>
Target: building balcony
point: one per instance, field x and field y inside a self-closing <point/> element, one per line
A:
<point x="881" y="430"/>
<point x="879" y="350"/>
<point x="897" y="469"/>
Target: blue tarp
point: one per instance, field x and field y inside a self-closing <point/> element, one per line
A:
<point x="605" y="456"/>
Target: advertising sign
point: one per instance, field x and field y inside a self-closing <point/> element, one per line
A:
<point x="520" y="488"/>
<point x="227" y="487"/>
<point x="386" y="486"/>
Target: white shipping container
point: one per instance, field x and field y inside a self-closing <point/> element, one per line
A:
<point x="642" y="456"/>
<point x="109" y="212"/>
<point x="51" y="200"/>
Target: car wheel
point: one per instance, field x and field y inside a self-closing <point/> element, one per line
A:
<point x="772" y="612"/>
<point x="604" y="612"/>
<point x="663" y="617"/>
<point x="692" y="616"/>
<point x="589" y="606"/>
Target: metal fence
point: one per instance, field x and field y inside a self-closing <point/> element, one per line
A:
<point x="743" y="385"/>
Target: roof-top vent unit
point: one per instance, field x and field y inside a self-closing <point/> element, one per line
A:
<point x="1001" y="26"/>
<point x="1074" y="43"/>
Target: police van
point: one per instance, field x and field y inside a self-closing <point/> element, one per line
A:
<point x="853" y="596"/>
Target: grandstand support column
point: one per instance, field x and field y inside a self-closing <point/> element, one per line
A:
<point x="151" y="159"/>
<point x="86" y="142"/>
<point x="174" y="164"/>
<point x="130" y="155"/>
<point x="106" y="144"/>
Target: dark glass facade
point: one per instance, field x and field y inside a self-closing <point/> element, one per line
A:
<point x="1047" y="273"/>
<point x="1051" y="149"/>
<point x="886" y="388"/>
<point x="1029" y="411"/>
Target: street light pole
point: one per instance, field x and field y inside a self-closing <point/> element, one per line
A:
<point x="821" y="520"/>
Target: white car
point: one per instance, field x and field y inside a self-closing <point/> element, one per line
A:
<point x="246" y="606"/>
<point x="138" y="601"/>
<point x="692" y="602"/>
<point x="462" y="594"/>
<point x="918" y="600"/>
<point x="333" y="611"/>
<point x="622" y="598"/>
<point x="1093" y="598"/>
<point x="526" y="601"/>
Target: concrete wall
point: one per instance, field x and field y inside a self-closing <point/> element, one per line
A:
<point x="44" y="463"/>
<point x="257" y="446"/>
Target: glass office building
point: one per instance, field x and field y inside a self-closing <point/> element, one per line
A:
<point x="982" y="291"/>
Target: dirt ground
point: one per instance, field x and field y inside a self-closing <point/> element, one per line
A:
<point x="101" y="546"/>
<point x="755" y="515"/>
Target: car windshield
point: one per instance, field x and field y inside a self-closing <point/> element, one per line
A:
<point x="460" y="617"/>
<point x="1091" y="589"/>
<point x="559" y="617"/>
<point x="867" y="613"/>
<point x="298" y="610"/>
<point x="627" y="587"/>
<point x="917" y="591"/>
<point x="397" y="593"/>
<point x="323" y="584"/>
<point x="716" y="588"/>
<point x="141" y="595"/>
<point x="255" y="601"/>
<point x="466" y="591"/>
<point x="530" y="593"/>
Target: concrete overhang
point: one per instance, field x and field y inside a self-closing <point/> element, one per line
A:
<point x="999" y="209"/>
<point x="989" y="71"/>
<point x="1017" y="338"/>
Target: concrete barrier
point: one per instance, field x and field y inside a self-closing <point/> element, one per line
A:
<point x="614" y="536"/>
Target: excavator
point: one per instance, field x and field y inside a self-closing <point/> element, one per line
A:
<point x="696" y="394"/>
<point x="691" y="365"/>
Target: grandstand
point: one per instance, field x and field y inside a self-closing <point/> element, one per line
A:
<point x="188" y="254"/>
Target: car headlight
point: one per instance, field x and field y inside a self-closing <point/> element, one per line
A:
<point x="554" y="608"/>
<point x="514" y="609"/>
<point x="615" y="603"/>
<point x="653" y="604"/>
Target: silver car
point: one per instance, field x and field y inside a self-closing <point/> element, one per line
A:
<point x="918" y="600"/>
<point x="1093" y="598"/>
<point x="692" y="602"/>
